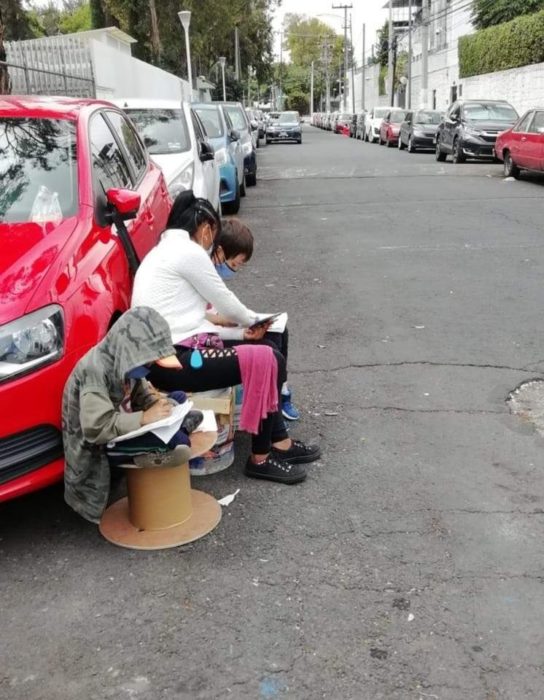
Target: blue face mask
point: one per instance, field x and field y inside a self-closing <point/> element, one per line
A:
<point x="138" y="372"/>
<point x="224" y="271"/>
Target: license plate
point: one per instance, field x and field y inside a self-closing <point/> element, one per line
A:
<point x="283" y="134"/>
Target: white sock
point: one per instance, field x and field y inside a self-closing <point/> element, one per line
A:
<point x="285" y="388"/>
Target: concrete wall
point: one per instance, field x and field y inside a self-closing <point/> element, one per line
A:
<point x="119" y="75"/>
<point x="372" y="89"/>
<point x="522" y="87"/>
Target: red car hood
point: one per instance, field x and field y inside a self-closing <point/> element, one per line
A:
<point x="27" y="252"/>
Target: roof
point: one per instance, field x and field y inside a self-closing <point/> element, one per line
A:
<point x="112" y="31"/>
<point x="59" y="107"/>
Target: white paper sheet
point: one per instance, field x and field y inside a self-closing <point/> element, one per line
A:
<point x="209" y="424"/>
<point x="161" y="428"/>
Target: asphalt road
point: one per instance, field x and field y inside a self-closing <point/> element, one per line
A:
<point x="409" y="565"/>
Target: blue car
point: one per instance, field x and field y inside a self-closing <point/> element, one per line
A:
<point x="229" y="156"/>
<point x="241" y="123"/>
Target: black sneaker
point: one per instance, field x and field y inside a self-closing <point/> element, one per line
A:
<point x="275" y="470"/>
<point x="298" y="453"/>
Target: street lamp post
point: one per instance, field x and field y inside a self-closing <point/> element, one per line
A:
<point x="222" y="61"/>
<point x="185" y="19"/>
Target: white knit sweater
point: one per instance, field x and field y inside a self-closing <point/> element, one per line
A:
<point x="178" y="279"/>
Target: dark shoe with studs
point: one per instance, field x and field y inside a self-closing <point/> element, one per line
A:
<point x="298" y="453"/>
<point x="273" y="469"/>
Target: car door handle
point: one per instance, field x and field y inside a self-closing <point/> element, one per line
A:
<point x="524" y="138"/>
<point x="149" y="217"/>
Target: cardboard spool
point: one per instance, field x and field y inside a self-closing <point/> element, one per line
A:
<point x="161" y="509"/>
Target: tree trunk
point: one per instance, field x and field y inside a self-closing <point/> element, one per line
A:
<point x="155" y="36"/>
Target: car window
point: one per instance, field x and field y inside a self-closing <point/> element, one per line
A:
<point x="129" y="138"/>
<point x="487" y="112"/>
<point x="162" y="130"/>
<point x="211" y="119"/>
<point x="524" y="123"/>
<point x="38" y="169"/>
<point x="290" y="118"/>
<point x="197" y="125"/>
<point x="237" y="117"/>
<point x="538" y="123"/>
<point x="110" y="169"/>
<point x="397" y="117"/>
<point x="380" y="113"/>
<point x="425" y="117"/>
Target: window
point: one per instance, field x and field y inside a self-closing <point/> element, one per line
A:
<point x="38" y="169"/>
<point x="162" y="130"/>
<point x="489" y="111"/>
<point x="110" y="168"/>
<point x="524" y="123"/>
<point x="211" y="119"/>
<point x="427" y="117"/>
<point x="128" y="137"/>
<point x="538" y="123"/>
<point x="237" y="117"/>
<point x="199" y="129"/>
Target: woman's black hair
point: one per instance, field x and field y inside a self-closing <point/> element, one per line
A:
<point x="189" y="212"/>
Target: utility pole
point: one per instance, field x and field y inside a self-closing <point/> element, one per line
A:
<point x="326" y="61"/>
<point x="345" y="8"/>
<point x="281" y="71"/>
<point x="363" y="70"/>
<point x="352" y="65"/>
<point x="425" y="55"/>
<point x="409" y="54"/>
<point x="236" y="54"/>
<point x="390" y="78"/>
<point x="394" y="71"/>
<point x="312" y="92"/>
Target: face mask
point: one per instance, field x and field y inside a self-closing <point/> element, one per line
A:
<point x="224" y="271"/>
<point x="138" y="372"/>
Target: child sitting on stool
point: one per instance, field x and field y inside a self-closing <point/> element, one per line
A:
<point x="233" y="249"/>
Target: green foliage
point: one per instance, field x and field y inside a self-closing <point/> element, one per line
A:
<point x="488" y="13"/>
<point x="211" y="32"/>
<point x="51" y="19"/>
<point x="382" y="42"/>
<point x="98" y="17"/>
<point x="509" y="45"/>
<point x="382" y="81"/>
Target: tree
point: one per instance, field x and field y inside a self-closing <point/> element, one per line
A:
<point x="98" y="16"/>
<point x="15" y="21"/>
<point x="487" y="13"/>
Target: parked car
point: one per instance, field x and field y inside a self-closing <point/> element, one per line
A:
<point x="373" y="122"/>
<point x="418" y="130"/>
<point x="177" y="142"/>
<point x="70" y="169"/>
<point x="390" y="127"/>
<point x="470" y="129"/>
<point x="287" y="128"/>
<point x="254" y="123"/>
<point x="360" y="126"/>
<point x="240" y="122"/>
<point x="522" y="146"/>
<point x="342" y="124"/>
<point x="228" y="153"/>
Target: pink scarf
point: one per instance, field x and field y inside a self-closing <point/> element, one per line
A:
<point x="259" y="371"/>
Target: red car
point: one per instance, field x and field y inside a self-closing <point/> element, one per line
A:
<point x="522" y="146"/>
<point x="342" y="124"/>
<point x="390" y="128"/>
<point x="70" y="170"/>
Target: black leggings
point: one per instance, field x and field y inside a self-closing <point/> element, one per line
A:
<point x="219" y="373"/>
<point x="277" y="341"/>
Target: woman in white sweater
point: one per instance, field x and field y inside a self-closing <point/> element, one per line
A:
<point x="178" y="279"/>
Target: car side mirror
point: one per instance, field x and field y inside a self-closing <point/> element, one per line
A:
<point x="123" y="203"/>
<point x="234" y="135"/>
<point x="206" y="152"/>
<point x="254" y="126"/>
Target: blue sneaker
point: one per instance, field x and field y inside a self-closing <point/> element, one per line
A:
<point x="288" y="410"/>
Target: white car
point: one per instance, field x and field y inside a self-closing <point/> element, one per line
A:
<point x="177" y="142"/>
<point x="373" y="122"/>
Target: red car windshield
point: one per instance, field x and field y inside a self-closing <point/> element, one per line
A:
<point x="397" y="117"/>
<point x="38" y="169"/>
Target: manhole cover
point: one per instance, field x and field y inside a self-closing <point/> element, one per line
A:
<point x="527" y="403"/>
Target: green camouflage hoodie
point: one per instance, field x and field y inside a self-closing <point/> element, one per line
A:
<point x="91" y="401"/>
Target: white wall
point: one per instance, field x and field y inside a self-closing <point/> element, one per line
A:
<point x="118" y="75"/>
<point x="372" y="89"/>
<point x="522" y="87"/>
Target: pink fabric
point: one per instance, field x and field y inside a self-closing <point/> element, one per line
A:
<point x="259" y="371"/>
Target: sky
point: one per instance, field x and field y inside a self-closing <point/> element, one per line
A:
<point x="370" y="12"/>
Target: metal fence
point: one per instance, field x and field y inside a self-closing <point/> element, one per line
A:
<point x="51" y="66"/>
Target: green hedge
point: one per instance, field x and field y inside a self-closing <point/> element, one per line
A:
<point x="509" y="45"/>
